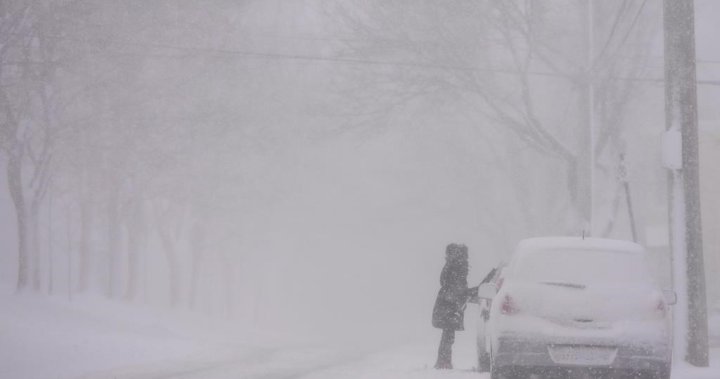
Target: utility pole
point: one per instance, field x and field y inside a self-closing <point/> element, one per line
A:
<point x="585" y="168"/>
<point x="591" y="110"/>
<point x="681" y="157"/>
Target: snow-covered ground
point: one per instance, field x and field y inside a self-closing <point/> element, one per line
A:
<point x="45" y="337"/>
<point x="90" y="338"/>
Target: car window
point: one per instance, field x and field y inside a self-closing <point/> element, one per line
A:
<point x="573" y="266"/>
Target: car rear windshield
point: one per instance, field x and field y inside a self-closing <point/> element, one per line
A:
<point x="569" y="266"/>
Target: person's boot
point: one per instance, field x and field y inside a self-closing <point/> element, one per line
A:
<point x="442" y="365"/>
<point x="444" y="360"/>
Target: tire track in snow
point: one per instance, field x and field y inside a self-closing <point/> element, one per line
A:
<point x="298" y="374"/>
<point x="179" y="368"/>
<point x="280" y="363"/>
<point x="260" y="355"/>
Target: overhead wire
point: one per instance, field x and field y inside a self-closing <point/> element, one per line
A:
<point x="291" y="56"/>
<point x="339" y="59"/>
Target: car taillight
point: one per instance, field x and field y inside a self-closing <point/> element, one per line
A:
<point x="508" y="306"/>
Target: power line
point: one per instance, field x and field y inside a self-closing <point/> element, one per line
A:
<point x="346" y="60"/>
<point x="305" y="57"/>
<point x="299" y="57"/>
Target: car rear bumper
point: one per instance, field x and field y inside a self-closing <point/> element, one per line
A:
<point x="522" y="352"/>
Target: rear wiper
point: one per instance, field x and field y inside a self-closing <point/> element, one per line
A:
<point x="568" y="285"/>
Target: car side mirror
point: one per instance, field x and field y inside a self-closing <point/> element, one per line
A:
<point x="670" y="297"/>
<point x="487" y="291"/>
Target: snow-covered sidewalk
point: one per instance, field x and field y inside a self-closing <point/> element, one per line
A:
<point x="45" y="337"/>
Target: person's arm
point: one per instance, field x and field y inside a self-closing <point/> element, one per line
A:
<point x="472" y="291"/>
<point x="489" y="276"/>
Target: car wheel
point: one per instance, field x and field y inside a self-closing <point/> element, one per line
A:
<point x="483" y="360"/>
<point x="505" y="373"/>
<point x="495" y="371"/>
<point x="663" y="373"/>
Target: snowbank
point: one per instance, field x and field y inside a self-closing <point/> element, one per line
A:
<point x="45" y="337"/>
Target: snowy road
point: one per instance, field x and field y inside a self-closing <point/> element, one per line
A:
<point x="406" y="362"/>
<point x="261" y="364"/>
<point x="41" y="339"/>
<point x="412" y="362"/>
<point x="402" y="362"/>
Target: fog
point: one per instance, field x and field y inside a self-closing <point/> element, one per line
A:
<point x="298" y="167"/>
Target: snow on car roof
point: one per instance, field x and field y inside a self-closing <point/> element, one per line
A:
<point x="546" y="243"/>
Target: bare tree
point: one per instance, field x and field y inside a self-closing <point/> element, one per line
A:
<point x="530" y="69"/>
<point x="26" y="92"/>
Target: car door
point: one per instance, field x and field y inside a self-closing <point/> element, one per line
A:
<point x="483" y="340"/>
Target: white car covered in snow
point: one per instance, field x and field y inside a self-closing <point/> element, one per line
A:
<point x="566" y="304"/>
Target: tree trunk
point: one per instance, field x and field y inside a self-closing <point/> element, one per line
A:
<point x="198" y="251"/>
<point x="50" y="247"/>
<point x="136" y="242"/>
<point x="173" y="274"/>
<point x="113" y="235"/>
<point x="194" y="278"/>
<point x="86" y="221"/>
<point x="228" y="269"/>
<point x="69" y="238"/>
<point x="169" y="227"/>
<point x="34" y="242"/>
<point x="14" y="175"/>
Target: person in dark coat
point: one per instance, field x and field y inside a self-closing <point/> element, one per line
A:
<point x="449" y="310"/>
